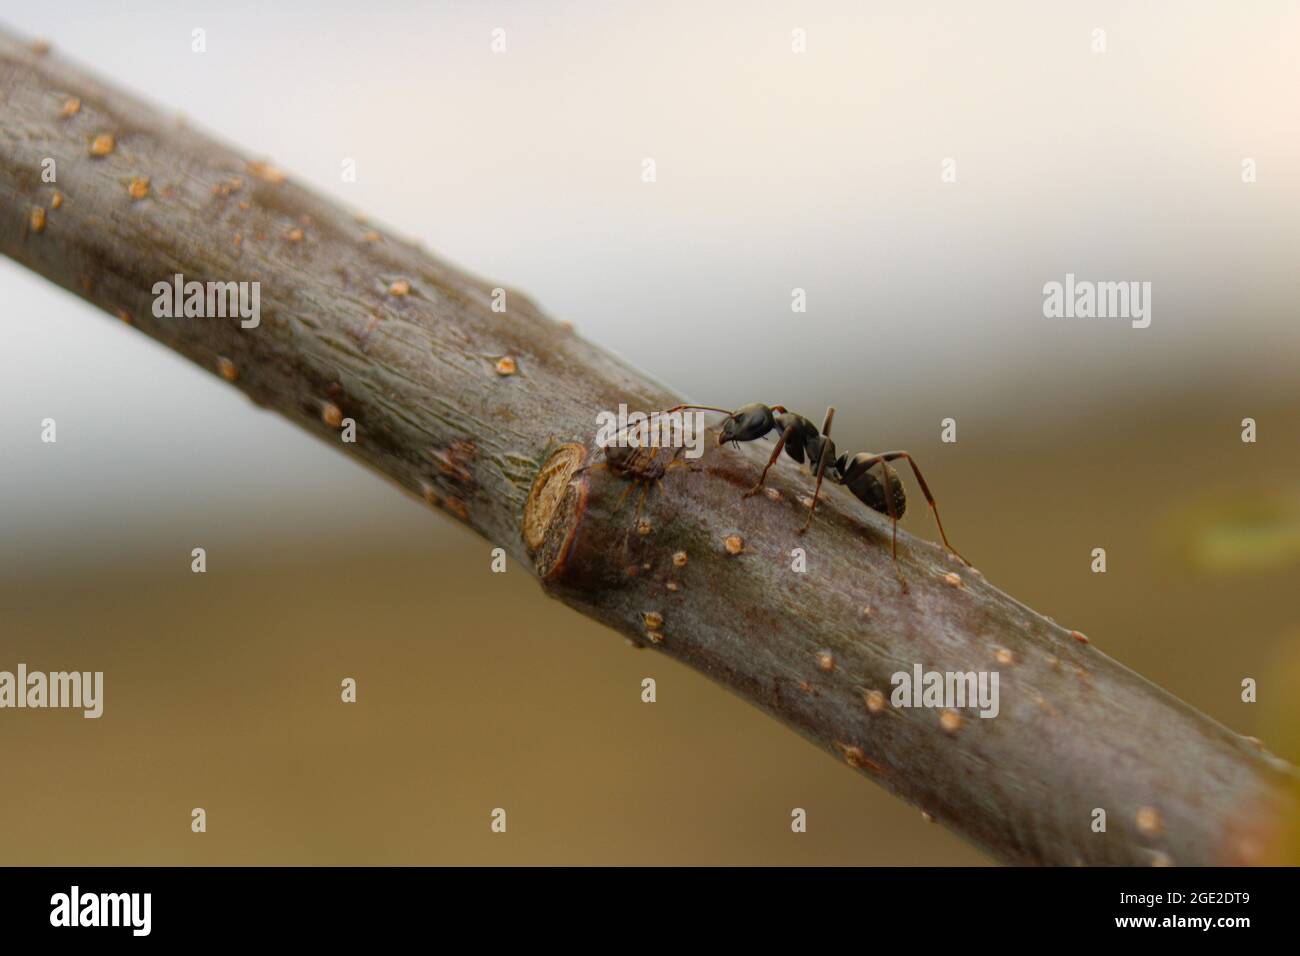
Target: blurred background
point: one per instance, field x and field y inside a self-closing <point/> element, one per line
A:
<point x="775" y="170"/>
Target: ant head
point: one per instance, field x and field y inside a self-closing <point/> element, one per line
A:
<point x="728" y="430"/>
<point x="746" y="424"/>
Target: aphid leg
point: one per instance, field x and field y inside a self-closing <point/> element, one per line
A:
<point x="623" y="497"/>
<point x="821" y="468"/>
<point x="674" y="462"/>
<point x="640" y="502"/>
<point x="925" y="490"/>
<point x="776" y="453"/>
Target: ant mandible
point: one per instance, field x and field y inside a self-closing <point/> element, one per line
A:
<point x="801" y="439"/>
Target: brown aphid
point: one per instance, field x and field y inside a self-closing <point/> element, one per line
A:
<point x="71" y="107"/>
<point x="1004" y="656"/>
<point x="507" y="366"/>
<point x="734" y="544"/>
<point x="772" y="493"/>
<point x="825" y="660"/>
<point x="370" y="236"/>
<point x="927" y="816"/>
<point x="950" y="721"/>
<point x="875" y="701"/>
<point x="56" y="201"/>
<point x="139" y="187"/>
<point x="37" y="219"/>
<point x="294" y="234"/>
<point x="680" y="558"/>
<point x="331" y="414"/>
<point x="102" y="145"/>
<point x="643" y="527"/>
<point x="953" y="580"/>
<point x="1149" y="822"/>
<point x="653" y="619"/>
<point x="400" y="287"/>
<point x="40" y="46"/>
<point x="672" y="585"/>
<point x="1081" y="638"/>
<point x="654" y="637"/>
<point x="226" y="369"/>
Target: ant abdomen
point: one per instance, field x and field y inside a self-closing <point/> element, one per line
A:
<point x="867" y="486"/>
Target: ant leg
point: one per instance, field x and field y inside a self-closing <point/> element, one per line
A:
<point x="861" y="467"/>
<point x="925" y="490"/>
<point x="893" y="520"/>
<point x="821" y="468"/>
<point x="826" y="424"/>
<point x="776" y="453"/>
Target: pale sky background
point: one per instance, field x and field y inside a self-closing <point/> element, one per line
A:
<point x="775" y="170"/>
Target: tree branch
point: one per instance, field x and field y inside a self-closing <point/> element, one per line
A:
<point x="489" y="416"/>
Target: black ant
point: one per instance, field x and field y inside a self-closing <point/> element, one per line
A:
<point x="801" y="439"/>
